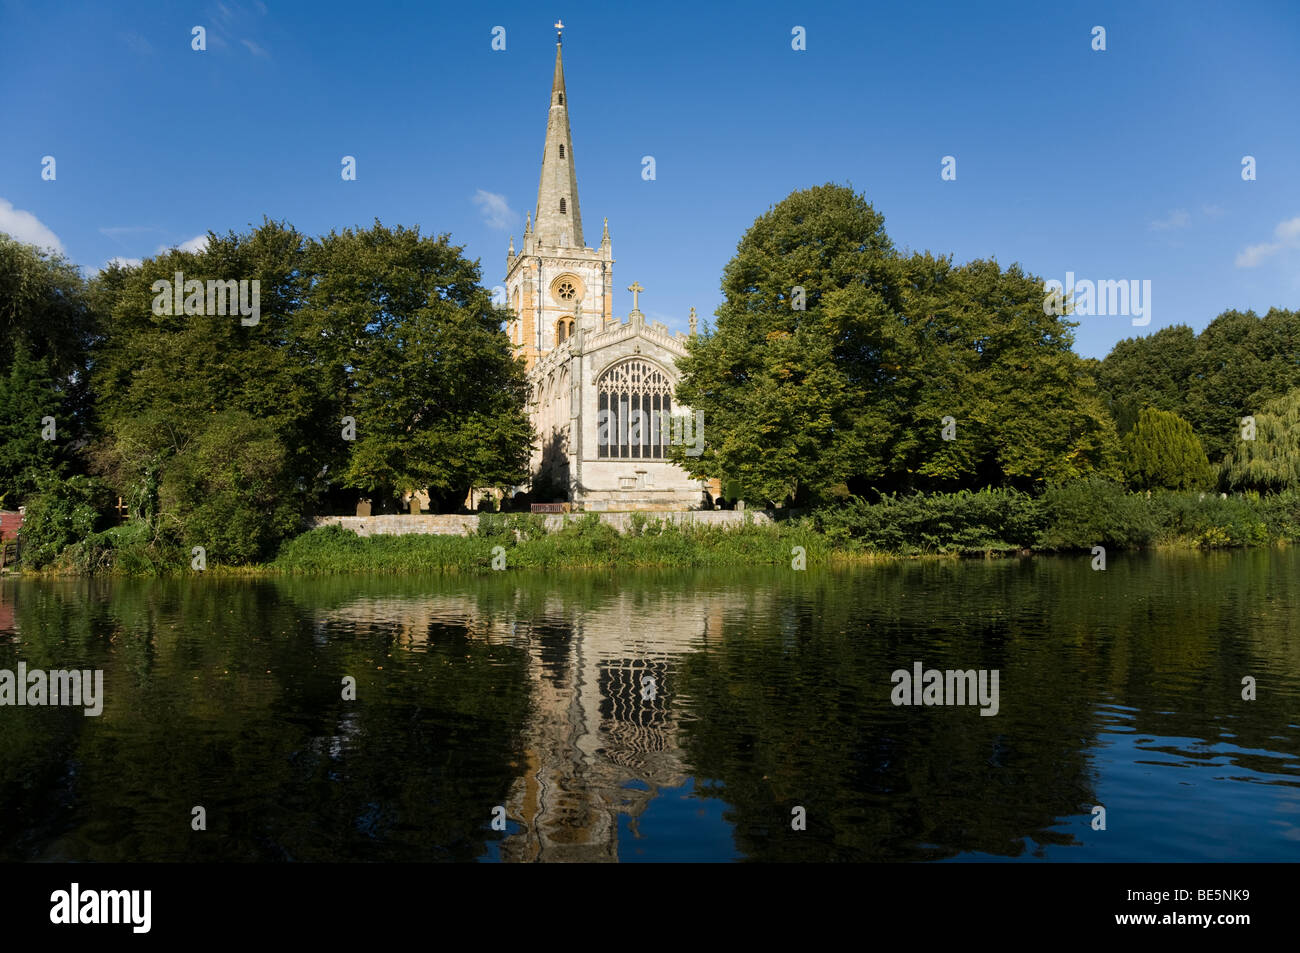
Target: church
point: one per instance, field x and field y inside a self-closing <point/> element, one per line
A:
<point x="602" y="387"/>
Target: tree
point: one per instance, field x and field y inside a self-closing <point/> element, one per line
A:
<point x="47" y="324"/>
<point x="28" y="395"/>
<point x="178" y="395"/>
<point x="857" y="387"/>
<point x="431" y="380"/>
<point x="776" y="399"/>
<point x="1162" y="452"/>
<point x="1271" y="461"/>
<point x="1157" y="371"/>
<point x="1213" y="379"/>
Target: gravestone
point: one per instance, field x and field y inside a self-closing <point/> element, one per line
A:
<point x="363" y="508"/>
<point x="415" y="506"/>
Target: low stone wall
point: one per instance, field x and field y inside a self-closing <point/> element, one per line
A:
<point x="467" y="525"/>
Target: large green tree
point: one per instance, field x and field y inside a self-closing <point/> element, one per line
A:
<point x="1238" y="363"/>
<point x="1162" y="452"/>
<point x="1153" y="371"/>
<point x="224" y="431"/>
<point x="835" y="361"/>
<point x="430" y="380"/>
<point x="1267" y="457"/>
<point x="47" y="326"/>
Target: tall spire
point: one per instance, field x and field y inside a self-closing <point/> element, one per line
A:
<point x="558" y="221"/>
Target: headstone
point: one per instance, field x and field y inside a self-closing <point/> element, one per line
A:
<point x="363" y="508"/>
<point x="415" y="506"/>
<point x="740" y="505"/>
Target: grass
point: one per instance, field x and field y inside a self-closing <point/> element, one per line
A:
<point x="987" y="522"/>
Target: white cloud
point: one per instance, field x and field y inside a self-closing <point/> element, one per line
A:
<point x="496" y="211"/>
<point x="26" y="227"/>
<point x="1287" y="234"/>
<point x="195" y="245"/>
<point x="255" y="49"/>
<point x="1212" y="211"/>
<point x="1177" y="219"/>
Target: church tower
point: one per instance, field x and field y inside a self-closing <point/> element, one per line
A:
<point x="555" y="285"/>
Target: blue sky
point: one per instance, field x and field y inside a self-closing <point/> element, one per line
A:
<point x="1122" y="164"/>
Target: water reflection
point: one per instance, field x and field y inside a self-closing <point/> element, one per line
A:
<point x="665" y="715"/>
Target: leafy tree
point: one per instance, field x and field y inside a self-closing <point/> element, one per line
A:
<point x="230" y="491"/>
<point x="778" y="410"/>
<point x="853" y="389"/>
<point x="1162" y="452"/>
<point x="172" y="387"/>
<point x="1271" y="461"/>
<point x="1212" y="380"/>
<point x="431" y="381"/>
<point x="61" y="512"/>
<point x="47" y="324"/>
<point x="44" y="307"/>
<point x="225" y="434"/>
<point x="28" y="394"/>
<point x="1157" y="371"/>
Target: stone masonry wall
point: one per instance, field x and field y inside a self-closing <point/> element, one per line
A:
<point x="467" y="525"/>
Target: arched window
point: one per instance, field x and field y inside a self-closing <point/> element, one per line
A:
<point x="559" y="98"/>
<point x="563" y="207"/>
<point x="634" y="400"/>
<point x="561" y="150"/>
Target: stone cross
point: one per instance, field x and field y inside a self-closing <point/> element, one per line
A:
<point x="636" y="289"/>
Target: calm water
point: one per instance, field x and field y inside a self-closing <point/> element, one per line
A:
<point x="771" y="691"/>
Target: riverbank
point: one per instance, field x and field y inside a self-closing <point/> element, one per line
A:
<point x="1075" y="517"/>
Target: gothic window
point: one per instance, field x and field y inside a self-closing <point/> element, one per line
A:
<point x="565" y="290"/>
<point x="561" y="150"/>
<point x="634" y="400"/>
<point x="563" y="208"/>
<point x="563" y="330"/>
<point x="560" y="98"/>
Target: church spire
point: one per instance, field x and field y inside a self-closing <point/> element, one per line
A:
<point x="558" y="221"/>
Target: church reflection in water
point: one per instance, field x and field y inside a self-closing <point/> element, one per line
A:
<point x="601" y="739"/>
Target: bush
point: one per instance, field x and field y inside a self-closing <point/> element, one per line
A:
<point x="1162" y="452"/>
<point x="987" y="520"/>
<point x="61" y="513"/>
<point x="1090" y="512"/>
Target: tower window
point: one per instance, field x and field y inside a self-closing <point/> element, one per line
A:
<point x="563" y="207"/>
<point x="559" y="98"/>
<point x="561" y="150"/>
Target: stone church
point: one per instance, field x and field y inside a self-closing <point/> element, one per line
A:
<point x="602" y="400"/>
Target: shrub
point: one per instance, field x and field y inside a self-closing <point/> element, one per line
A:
<point x="1162" y="452"/>
<point x="1094" y="511"/>
<point x="61" y="513"/>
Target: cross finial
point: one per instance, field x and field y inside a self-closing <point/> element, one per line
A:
<point x="636" y="289"/>
<point x="559" y="30"/>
